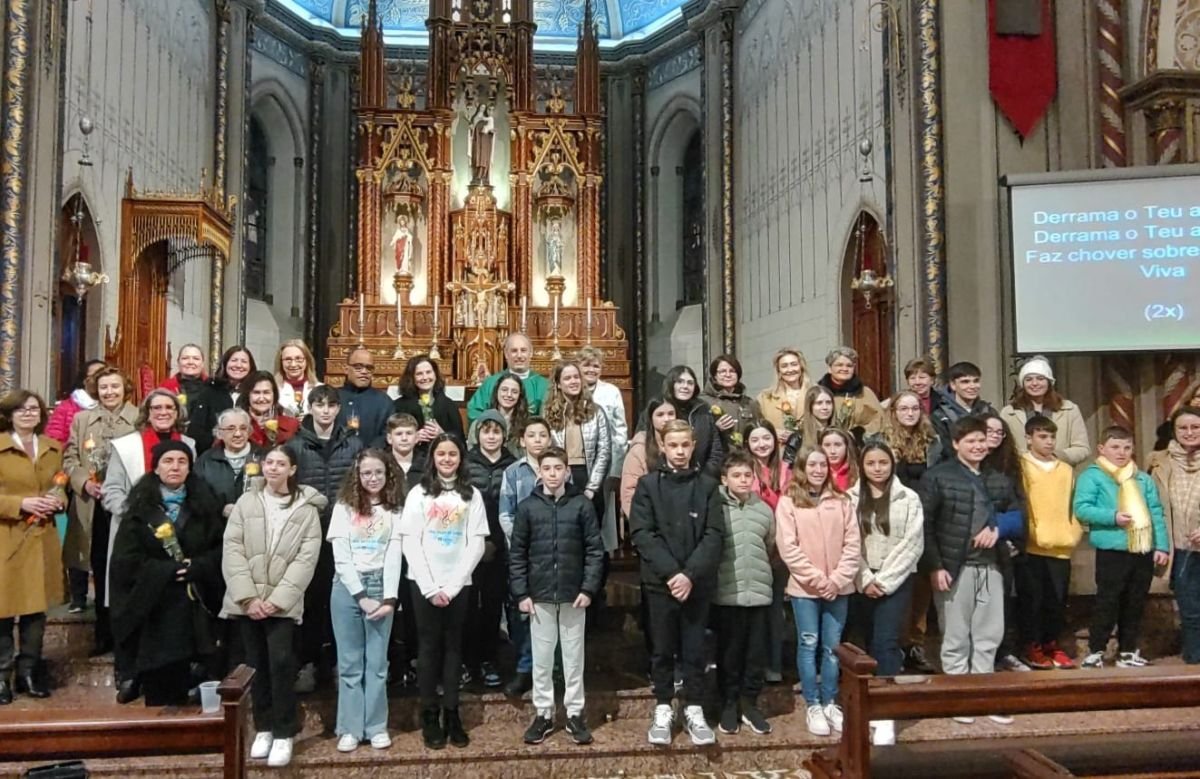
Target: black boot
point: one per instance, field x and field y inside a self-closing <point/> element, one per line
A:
<point x="431" y="730"/>
<point x="5" y="692"/>
<point x="128" y="691"/>
<point x="27" y="684"/>
<point x="452" y="723"/>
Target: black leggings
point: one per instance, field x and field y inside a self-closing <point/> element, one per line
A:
<point x="101" y="521"/>
<point x="439" y="656"/>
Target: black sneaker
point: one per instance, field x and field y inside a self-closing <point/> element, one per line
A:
<point x="465" y="677"/>
<point x="579" y="729"/>
<point x="491" y="677"/>
<point x="755" y="720"/>
<point x="915" y="660"/>
<point x="729" y="722"/>
<point x="538" y="729"/>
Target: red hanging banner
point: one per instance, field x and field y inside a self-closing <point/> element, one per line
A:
<point x="1022" y="70"/>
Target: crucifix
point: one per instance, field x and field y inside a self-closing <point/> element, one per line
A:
<point x="483" y="292"/>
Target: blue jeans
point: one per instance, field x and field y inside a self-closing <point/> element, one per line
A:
<point x="1185" y="581"/>
<point x="880" y="620"/>
<point x="362" y="653"/>
<point x="819" y="621"/>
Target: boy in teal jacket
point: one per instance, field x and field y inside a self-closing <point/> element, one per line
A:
<point x="1120" y="506"/>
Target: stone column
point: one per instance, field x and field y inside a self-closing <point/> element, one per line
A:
<point x="640" y="301"/>
<point x="728" y="314"/>
<point x="220" y="167"/>
<point x="316" y="95"/>
<point x="14" y="175"/>
<point x="299" y="250"/>
<point x="932" y="188"/>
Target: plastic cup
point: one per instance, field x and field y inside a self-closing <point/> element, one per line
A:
<point x="210" y="701"/>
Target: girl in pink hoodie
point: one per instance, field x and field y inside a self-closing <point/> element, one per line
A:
<point x="818" y="538"/>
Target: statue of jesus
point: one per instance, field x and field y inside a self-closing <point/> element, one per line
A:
<point x="402" y="245"/>
<point x="483" y="133"/>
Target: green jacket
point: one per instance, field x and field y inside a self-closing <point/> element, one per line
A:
<point x="537" y="387"/>
<point x="1096" y="507"/>
<point x="744" y="576"/>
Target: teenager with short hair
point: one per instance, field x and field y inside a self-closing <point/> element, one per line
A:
<point x="1121" y="507"/>
<point x="958" y="399"/>
<point x="557" y="562"/>
<point x="676" y="529"/>
<point x="744" y="594"/>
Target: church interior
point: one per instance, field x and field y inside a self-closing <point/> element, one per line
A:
<point x="659" y="181"/>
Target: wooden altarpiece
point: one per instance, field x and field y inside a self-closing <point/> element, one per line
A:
<point x="443" y="266"/>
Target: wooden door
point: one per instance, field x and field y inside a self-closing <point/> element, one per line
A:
<point x="871" y="327"/>
<point x="141" y="348"/>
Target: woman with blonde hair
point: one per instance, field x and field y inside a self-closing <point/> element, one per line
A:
<point x="295" y="375"/>
<point x="783" y="404"/>
<point x="817" y="414"/>
<point x="581" y="429"/>
<point x="911" y="437"/>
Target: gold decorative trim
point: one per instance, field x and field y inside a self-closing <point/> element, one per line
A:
<point x="932" y="190"/>
<point x="641" y="319"/>
<point x="14" y="169"/>
<point x="220" y="155"/>
<point x="728" y="280"/>
<point x="315" y="94"/>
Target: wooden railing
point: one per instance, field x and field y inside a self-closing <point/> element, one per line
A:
<point x="130" y="731"/>
<point x="866" y="698"/>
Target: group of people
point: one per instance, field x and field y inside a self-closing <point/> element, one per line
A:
<point x="264" y="517"/>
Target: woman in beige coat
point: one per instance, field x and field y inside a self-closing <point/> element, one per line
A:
<point x="1035" y="394"/>
<point x="30" y="555"/>
<point x="85" y="461"/>
<point x="272" y="542"/>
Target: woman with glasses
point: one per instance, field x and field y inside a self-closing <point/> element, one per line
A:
<point x="160" y="419"/>
<point x="258" y="395"/>
<point x="296" y="376"/>
<point x="30" y="556"/>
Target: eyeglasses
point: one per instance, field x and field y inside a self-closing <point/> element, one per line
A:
<point x="362" y="366"/>
<point x="238" y="429"/>
<point x="995" y="433"/>
<point x="28" y="410"/>
<point x="169" y="407"/>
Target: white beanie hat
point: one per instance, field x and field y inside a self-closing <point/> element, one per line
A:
<point x="1035" y="366"/>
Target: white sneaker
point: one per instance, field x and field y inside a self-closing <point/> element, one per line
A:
<point x="883" y="732"/>
<point x="381" y="741"/>
<point x="262" y="745"/>
<point x="1132" y="660"/>
<point x="833" y="714"/>
<point x="815" y="719"/>
<point x="1093" y="660"/>
<point x="697" y="726"/>
<point x="964" y="720"/>
<point x="281" y="753"/>
<point x="660" y="729"/>
<point x="1001" y="719"/>
<point x="347" y="743"/>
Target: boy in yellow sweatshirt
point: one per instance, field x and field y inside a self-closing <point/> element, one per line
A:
<point x="1052" y="532"/>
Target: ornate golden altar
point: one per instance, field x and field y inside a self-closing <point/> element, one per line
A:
<point x="478" y="202"/>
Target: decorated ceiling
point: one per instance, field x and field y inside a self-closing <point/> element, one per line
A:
<point x="616" y="19"/>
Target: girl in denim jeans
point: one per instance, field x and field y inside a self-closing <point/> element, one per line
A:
<point x="364" y="532"/>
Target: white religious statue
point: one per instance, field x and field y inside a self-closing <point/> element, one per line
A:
<point x="402" y="245"/>
<point x="483" y="133"/>
<point x="554" y="249"/>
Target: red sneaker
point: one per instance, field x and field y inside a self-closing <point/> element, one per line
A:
<point x="1035" y="657"/>
<point x="1058" y="657"/>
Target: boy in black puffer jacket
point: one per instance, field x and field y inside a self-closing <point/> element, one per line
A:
<point x="557" y="560"/>
<point x="324" y="453"/>
<point x="486" y="461"/>
<point x="677" y="526"/>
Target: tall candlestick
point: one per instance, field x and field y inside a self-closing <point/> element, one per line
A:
<point x="437" y="300"/>
<point x="524" y="301"/>
<point x="556" y="314"/>
<point x="362" y="315"/>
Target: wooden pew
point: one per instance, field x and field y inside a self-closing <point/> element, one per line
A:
<point x="865" y="697"/>
<point x="133" y="731"/>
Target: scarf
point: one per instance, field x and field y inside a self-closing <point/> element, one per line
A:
<point x="1131" y="501"/>
<point x="851" y="389"/>
<point x="237" y="460"/>
<point x="172" y="501"/>
<point x="841" y="474"/>
<point x="152" y="438"/>
<point x="1184" y="489"/>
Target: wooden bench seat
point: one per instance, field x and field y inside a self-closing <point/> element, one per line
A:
<point x="109" y="731"/>
<point x="866" y="697"/>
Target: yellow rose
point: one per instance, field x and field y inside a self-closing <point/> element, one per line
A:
<point x="352" y="423"/>
<point x="426" y="398"/>
<point x="717" y="411"/>
<point x="271" y="425"/>
<point x="251" y="468"/>
<point x="182" y="397"/>
<point x="164" y="531"/>
<point x="89" y="444"/>
<point x="785" y="407"/>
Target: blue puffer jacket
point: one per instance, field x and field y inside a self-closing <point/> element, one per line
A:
<point x="1096" y="507"/>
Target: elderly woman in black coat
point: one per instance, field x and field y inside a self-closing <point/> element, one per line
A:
<point x="167" y="566"/>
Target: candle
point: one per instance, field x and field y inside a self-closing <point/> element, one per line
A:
<point x="399" y="315"/>
<point x="556" y="314"/>
<point x="524" y="300"/>
<point x="362" y="313"/>
<point x="437" y="300"/>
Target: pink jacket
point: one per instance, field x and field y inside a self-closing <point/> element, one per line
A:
<point x="818" y="544"/>
<point x="58" y="426"/>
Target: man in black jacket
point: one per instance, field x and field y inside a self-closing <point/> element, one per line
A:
<point x="958" y="399"/>
<point x="676" y="525"/>
<point x="364" y="409"/>
<point x="324" y="452"/>
<point x="557" y="559"/>
<point x="486" y="460"/>
<point x="961" y="502"/>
